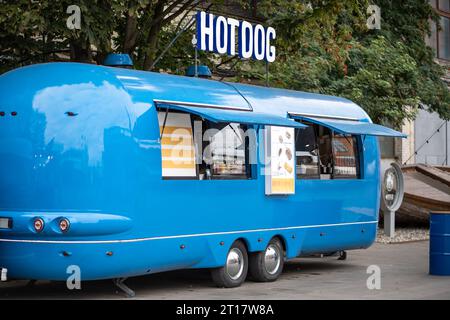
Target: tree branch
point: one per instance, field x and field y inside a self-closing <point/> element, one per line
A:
<point x="160" y="17"/>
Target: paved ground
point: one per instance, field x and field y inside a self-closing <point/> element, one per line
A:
<point x="404" y="275"/>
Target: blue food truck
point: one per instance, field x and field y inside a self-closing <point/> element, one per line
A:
<point x="124" y="173"/>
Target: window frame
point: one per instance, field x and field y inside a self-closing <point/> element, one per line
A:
<point x="440" y="11"/>
<point x="436" y="43"/>
<point x="206" y="124"/>
<point x="196" y="177"/>
<point x="357" y="147"/>
<point x="316" y="141"/>
<point x="248" y="167"/>
<point x="356" y="154"/>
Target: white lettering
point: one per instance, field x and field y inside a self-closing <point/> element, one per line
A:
<point x="260" y="42"/>
<point x="246" y="40"/>
<point x="221" y="38"/>
<point x="218" y="34"/>
<point x="206" y="31"/>
<point x="270" y="50"/>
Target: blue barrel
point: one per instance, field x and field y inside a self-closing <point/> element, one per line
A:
<point x="440" y="243"/>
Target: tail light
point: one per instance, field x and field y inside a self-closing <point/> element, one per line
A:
<point x="64" y="225"/>
<point x="38" y="224"/>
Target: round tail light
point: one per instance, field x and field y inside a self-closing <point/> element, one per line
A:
<point x="64" y="225"/>
<point x="38" y="224"/>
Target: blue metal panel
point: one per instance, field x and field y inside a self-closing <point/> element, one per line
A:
<point x="178" y="88"/>
<point x="282" y="101"/>
<point x="236" y="95"/>
<point x="246" y="117"/>
<point x="353" y="127"/>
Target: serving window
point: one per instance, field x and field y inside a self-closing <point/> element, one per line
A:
<point x="225" y="151"/>
<point x="307" y="153"/>
<point x="324" y="154"/>
<point x="194" y="148"/>
<point x="345" y="156"/>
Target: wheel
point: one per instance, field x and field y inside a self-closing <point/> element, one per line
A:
<point x="267" y="265"/>
<point x="234" y="272"/>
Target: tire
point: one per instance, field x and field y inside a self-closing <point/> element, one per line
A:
<point x="260" y="269"/>
<point x="232" y="275"/>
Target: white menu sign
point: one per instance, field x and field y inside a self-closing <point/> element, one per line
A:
<point x="280" y="162"/>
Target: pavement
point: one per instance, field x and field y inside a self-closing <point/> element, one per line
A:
<point x="403" y="275"/>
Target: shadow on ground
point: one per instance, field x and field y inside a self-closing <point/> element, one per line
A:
<point x="151" y="285"/>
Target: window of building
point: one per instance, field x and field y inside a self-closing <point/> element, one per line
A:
<point x="443" y="5"/>
<point x="324" y="154"/>
<point x="224" y="148"/>
<point x="444" y="39"/>
<point x="439" y="40"/>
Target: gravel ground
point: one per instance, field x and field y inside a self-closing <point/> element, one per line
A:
<point x="404" y="235"/>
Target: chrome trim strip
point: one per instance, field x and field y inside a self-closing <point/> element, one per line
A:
<point x="201" y="105"/>
<point x="311" y="115"/>
<point x="185" y="235"/>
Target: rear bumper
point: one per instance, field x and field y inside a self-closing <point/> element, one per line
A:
<point x="44" y="261"/>
<point x="28" y="260"/>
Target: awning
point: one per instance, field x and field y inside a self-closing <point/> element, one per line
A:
<point x="354" y="127"/>
<point x="239" y="116"/>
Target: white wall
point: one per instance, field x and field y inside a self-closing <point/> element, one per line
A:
<point x="433" y="152"/>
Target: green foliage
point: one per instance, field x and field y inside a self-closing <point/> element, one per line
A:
<point x="322" y="46"/>
<point x="409" y="22"/>
<point x="327" y="48"/>
<point x="30" y="31"/>
<point x="382" y="78"/>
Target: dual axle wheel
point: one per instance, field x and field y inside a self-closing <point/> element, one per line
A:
<point x="263" y="266"/>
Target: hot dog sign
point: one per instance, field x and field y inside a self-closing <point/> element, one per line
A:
<point x="218" y="34"/>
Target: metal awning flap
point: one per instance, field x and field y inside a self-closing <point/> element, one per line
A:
<point x="239" y="116"/>
<point x="354" y="127"/>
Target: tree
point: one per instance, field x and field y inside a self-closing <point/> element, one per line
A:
<point x="32" y="31"/>
<point x="322" y="46"/>
<point x="139" y="33"/>
<point x="325" y="47"/>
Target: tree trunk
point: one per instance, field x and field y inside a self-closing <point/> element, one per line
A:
<point x="80" y="51"/>
<point x="152" y="40"/>
<point x="129" y="42"/>
<point x="153" y="36"/>
<point x="160" y="18"/>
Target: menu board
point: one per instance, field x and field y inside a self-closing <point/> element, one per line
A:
<point x="280" y="162"/>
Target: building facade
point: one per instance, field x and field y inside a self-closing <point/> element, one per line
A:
<point x="428" y="139"/>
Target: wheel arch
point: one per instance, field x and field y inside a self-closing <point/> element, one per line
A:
<point x="244" y="241"/>
<point x="282" y="240"/>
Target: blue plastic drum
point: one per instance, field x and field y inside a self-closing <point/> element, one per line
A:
<point x="440" y="243"/>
